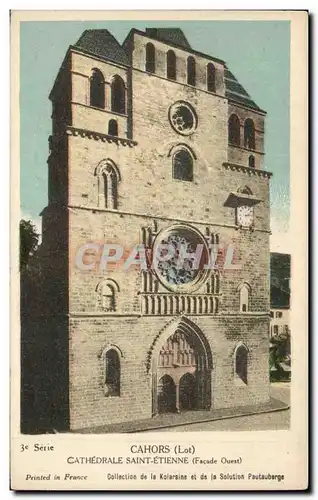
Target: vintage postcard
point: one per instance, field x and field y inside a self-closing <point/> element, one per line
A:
<point x="159" y="250"/>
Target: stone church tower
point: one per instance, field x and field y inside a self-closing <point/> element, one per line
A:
<point x="153" y="142"/>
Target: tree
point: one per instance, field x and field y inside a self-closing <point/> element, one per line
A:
<point x="279" y="352"/>
<point x="30" y="291"/>
<point x="29" y="241"/>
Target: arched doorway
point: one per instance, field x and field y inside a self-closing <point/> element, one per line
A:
<point x="183" y="357"/>
<point x="187" y="392"/>
<point x="166" y="395"/>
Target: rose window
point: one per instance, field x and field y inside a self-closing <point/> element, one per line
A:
<point x="183" y="118"/>
<point x="181" y="268"/>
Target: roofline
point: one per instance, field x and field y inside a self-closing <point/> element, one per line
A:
<point x="135" y="30"/>
<point x="59" y="72"/>
<point x="279" y="307"/>
<point x="240" y="104"/>
<point x="176" y="45"/>
<point x="74" y="48"/>
<point x="281" y="253"/>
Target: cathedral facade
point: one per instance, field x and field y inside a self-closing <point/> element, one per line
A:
<point x="153" y="143"/>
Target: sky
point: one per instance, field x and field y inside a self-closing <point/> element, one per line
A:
<point x="257" y="52"/>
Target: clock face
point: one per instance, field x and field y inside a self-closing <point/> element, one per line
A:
<point x="244" y="216"/>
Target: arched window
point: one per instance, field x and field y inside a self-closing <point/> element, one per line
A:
<point x="249" y="134"/>
<point x="108" y="178"/>
<point x="109" y="188"/>
<point x="97" y="90"/>
<point x="150" y="58"/>
<point x="171" y="65"/>
<point x="108" y="297"/>
<point x="107" y="290"/>
<point x="251" y="161"/>
<point x="240" y="360"/>
<point x="234" y="130"/>
<point x="210" y="77"/>
<point x="112" y="373"/>
<point x="118" y="95"/>
<point x="183" y="165"/>
<point x="244" y="291"/>
<point x="113" y="128"/>
<point x="191" y="71"/>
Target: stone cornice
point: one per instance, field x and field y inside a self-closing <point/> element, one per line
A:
<point x="248" y="170"/>
<point x="242" y="315"/>
<point x="88" y="314"/>
<point x="98" y="136"/>
<point x="159" y="217"/>
<point x="187" y="293"/>
<point x="248" y="150"/>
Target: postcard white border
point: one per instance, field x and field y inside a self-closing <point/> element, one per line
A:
<point x="293" y="441"/>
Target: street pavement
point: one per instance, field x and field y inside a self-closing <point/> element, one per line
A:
<point x="277" y="420"/>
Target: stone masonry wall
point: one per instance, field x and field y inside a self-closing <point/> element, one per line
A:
<point x="134" y="337"/>
<point x="240" y="154"/>
<point x="148" y="196"/>
<point x="250" y="256"/>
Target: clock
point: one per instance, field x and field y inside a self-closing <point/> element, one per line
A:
<point x="244" y="216"/>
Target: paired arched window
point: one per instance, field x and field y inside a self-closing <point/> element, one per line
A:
<point x="113" y="128"/>
<point x="240" y="362"/>
<point x="251" y="161"/>
<point x="150" y="58"/>
<point x="249" y="134"/>
<point x="210" y="77"/>
<point x="191" y="71"/>
<point x="108" y="178"/>
<point x="118" y="95"/>
<point x="183" y="165"/>
<point x="112" y="373"/>
<point x="244" y="291"/>
<point x="171" y="65"/>
<point x="97" y="89"/>
<point x="234" y="130"/>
